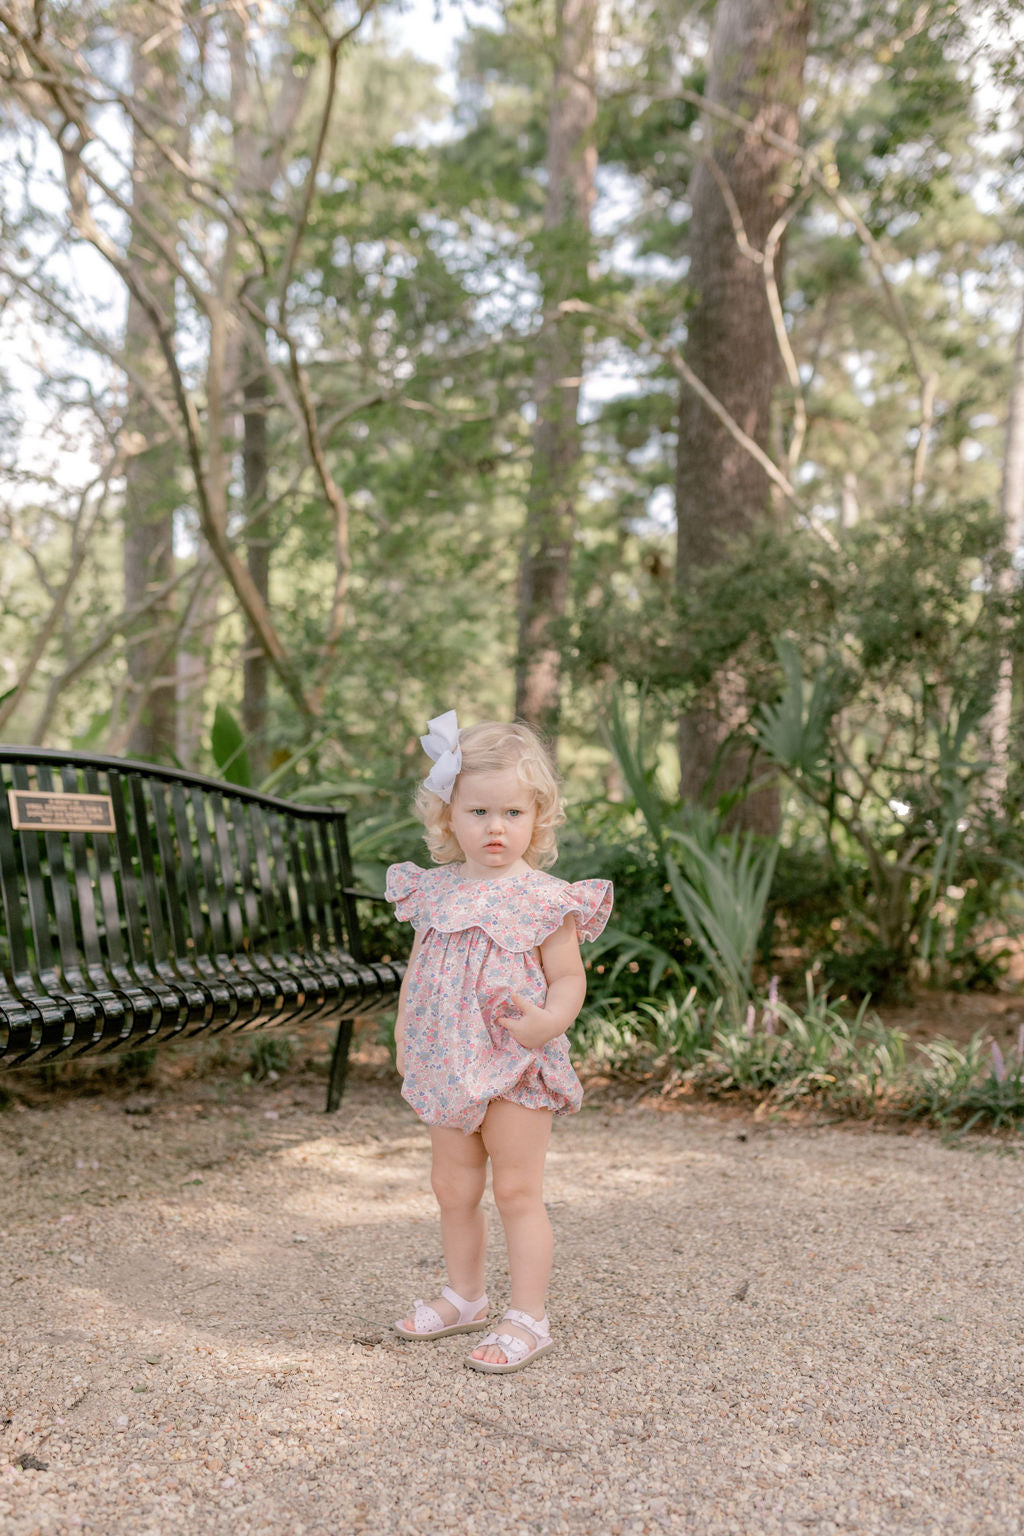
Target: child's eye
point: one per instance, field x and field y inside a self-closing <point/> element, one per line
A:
<point x="515" y="813"/>
<point x="478" y="813"/>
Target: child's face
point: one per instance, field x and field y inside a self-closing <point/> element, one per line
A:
<point x="493" y="817"/>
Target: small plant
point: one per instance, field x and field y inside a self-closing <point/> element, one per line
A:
<point x="976" y="1085"/>
<point x="721" y="887"/>
<point x="134" y="1068"/>
<point x="656" y="1034"/>
<point x="269" y="1054"/>
<point x="720" y="882"/>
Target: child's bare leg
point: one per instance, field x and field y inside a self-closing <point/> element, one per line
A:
<point x="516" y="1140"/>
<point x="457" y="1176"/>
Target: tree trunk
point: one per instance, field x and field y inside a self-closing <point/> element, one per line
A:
<point x="193" y="667"/>
<point x="758" y="50"/>
<point x="998" y="725"/>
<point x="152" y="466"/>
<point x="258" y="157"/>
<point x="545" y="563"/>
<point x="256" y="668"/>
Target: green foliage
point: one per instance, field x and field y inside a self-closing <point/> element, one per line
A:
<point x="776" y="1053"/>
<point x="722" y="896"/>
<point x="269" y="1055"/>
<point x="664" y="1035"/>
<point x="720" y="881"/>
<point x="136" y="1067"/>
<point x="868" y="671"/>
<point x="793" y="731"/>
<point x="812" y="1055"/>
<point x="229" y="751"/>
<point x="973" y="1086"/>
<point x="644" y="943"/>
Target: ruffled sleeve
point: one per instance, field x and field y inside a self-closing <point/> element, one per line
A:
<point x="588" y="901"/>
<point x="403" y="886"/>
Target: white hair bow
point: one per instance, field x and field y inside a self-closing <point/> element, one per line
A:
<point x="442" y="744"/>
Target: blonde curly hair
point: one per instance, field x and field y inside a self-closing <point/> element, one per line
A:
<point x="492" y="747"/>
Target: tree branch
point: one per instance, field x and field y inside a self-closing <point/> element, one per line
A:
<point x="81" y="530"/>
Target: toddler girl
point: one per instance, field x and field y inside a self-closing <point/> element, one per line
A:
<point x="494" y="981"/>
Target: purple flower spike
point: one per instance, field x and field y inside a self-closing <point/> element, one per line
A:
<point x="771" y="1017"/>
<point x="750" y="1019"/>
<point x="998" y="1064"/>
<point x="1020" y="1045"/>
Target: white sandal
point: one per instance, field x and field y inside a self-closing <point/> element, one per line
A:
<point x="518" y="1353"/>
<point x="429" y="1324"/>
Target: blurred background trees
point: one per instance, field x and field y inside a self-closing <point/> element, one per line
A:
<point x="652" y="366"/>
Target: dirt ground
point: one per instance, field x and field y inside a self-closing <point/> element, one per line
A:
<point x="764" y="1328"/>
<point x="958" y="1015"/>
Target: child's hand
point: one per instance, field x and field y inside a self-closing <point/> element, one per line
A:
<point x="535" y="1028"/>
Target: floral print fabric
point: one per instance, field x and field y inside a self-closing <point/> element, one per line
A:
<point x="479" y="943"/>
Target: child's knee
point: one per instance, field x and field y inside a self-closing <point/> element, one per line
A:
<point x="458" y="1189"/>
<point x="514" y="1193"/>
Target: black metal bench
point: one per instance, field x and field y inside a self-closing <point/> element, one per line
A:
<point x="167" y="905"/>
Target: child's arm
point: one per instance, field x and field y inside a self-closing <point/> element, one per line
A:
<point x="567" y="987"/>
<point x="400" y="1016"/>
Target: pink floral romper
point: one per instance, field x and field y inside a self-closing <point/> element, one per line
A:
<point x="478" y="943"/>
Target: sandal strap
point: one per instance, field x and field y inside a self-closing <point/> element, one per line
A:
<point x="512" y="1348"/>
<point x="465" y="1308"/>
<point x="538" y="1326"/>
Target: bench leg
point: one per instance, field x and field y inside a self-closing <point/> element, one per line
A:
<point x="339" y="1065"/>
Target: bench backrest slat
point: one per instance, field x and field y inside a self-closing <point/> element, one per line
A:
<point x="35" y="892"/>
<point x="85" y="883"/>
<point x="145" y="816"/>
<point x="212" y="931"/>
<point x="279" y="864"/>
<point x="128" y="877"/>
<point x="106" y="881"/>
<point x="14" y="918"/>
<point x="332" y="886"/>
<point x="180" y="874"/>
<point x="229" y="877"/>
<point x="315" y="879"/>
<point x="345" y="887"/>
<point x="56" y="881"/>
<point x="272" y="916"/>
<point x="298" y="880"/>
<point x="248" y="876"/>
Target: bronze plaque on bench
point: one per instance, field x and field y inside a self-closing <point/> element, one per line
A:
<point x="55" y="811"/>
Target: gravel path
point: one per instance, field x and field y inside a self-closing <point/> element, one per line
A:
<point x="762" y="1330"/>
